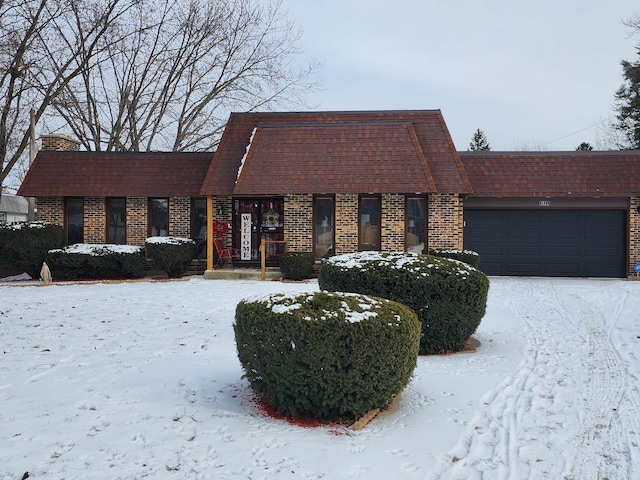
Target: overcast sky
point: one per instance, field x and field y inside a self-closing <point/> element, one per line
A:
<point x="528" y="73"/>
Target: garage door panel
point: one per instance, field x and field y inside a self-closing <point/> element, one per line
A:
<point x="561" y="251"/>
<point x="523" y="250"/>
<point x="605" y="233"/>
<point x="523" y="233"/>
<point x="562" y="233"/>
<point x="590" y="243"/>
<point x="523" y="269"/>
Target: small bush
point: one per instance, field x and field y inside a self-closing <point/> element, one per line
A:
<point x="449" y="296"/>
<point x="297" y="265"/>
<point x="467" y="256"/>
<point x="326" y="355"/>
<point x="171" y="254"/>
<point x="24" y="245"/>
<point x="96" y="261"/>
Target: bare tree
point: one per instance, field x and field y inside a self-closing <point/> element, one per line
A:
<point x="175" y="69"/>
<point x="44" y="45"/>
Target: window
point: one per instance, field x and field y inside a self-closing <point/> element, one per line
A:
<point x="74" y="220"/>
<point x="370" y="223"/>
<point x="323" y="216"/>
<point x="158" y="217"/>
<point x="116" y="221"/>
<point x="199" y="226"/>
<point x="199" y="218"/>
<point x="415" y="224"/>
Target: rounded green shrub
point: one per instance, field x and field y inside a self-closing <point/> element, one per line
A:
<point x="297" y="265"/>
<point x="24" y="245"/>
<point x="326" y="355"/>
<point x="449" y="296"/>
<point x="96" y="261"/>
<point x="171" y="254"/>
<point x="466" y="256"/>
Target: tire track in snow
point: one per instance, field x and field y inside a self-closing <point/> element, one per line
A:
<point x="611" y="426"/>
<point x="531" y="419"/>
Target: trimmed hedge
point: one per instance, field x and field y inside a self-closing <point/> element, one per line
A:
<point x="171" y="254"/>
<point x="326" y="355"/>
<point x="449" y="296"/>
<point x="24" y="245"/>
<point x="466" y="256"/>
<point x="94" y="261"/>
<point x="297" y="265"/>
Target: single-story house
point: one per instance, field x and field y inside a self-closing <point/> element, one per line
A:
<point x="13" y="209"/>
<point x="338" y="182"/>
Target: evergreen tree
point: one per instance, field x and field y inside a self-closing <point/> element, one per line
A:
<point x="628" y="103"/>
<point x="584" y="146"/>
<point x="479" y="141"/>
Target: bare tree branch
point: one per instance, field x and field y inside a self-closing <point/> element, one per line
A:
<point x="44" y="46"/>
<point x="170" y="81"/>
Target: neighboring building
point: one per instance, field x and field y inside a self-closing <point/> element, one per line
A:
<point x="339" y="182"/>
<point x="13" y="209"/>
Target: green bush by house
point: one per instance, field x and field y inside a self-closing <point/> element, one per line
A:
<point x="448" y="296"/>
<point x="326" y="355"/>
<point x="89" y="261"/>
<point x="466" y="256"/>
<point x="171" y="254"/>
<point x="297" y="265"/>
<point x="24" y="245"/>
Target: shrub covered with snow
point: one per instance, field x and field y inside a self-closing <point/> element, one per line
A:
<point x="24" y="245"/>
<point x="297" y="265"/>
<point x="97" y="261"/>
<point x="449" y="296"/>
<point x="466" y="256"/>
<point x="171" y="254"/>
<point x="326" y="355"/>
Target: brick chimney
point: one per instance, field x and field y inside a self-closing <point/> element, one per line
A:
<point x="59" y="141"/>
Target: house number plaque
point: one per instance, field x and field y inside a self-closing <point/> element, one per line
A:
<point x="544" y="203"/>
<point x="245" y="236"/>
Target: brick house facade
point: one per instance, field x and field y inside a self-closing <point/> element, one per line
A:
<point x="339" y="182"/>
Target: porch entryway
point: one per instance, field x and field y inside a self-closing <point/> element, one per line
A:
<point x="255" y="220"/>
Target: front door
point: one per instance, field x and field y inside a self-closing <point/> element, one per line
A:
<point x="255" y="220"/>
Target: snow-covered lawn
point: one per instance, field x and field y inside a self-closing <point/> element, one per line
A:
<point x="141" y="380"/>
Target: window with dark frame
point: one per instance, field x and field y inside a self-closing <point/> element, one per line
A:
<point x="199" y="226"/>
<point x="323" y="224"/>
<point x="158" y="217"/>
<point x="117" y="221"/>
<point x="415" y="231"/>
<point x="369" y="224"/>
<point x="74" y="220"/>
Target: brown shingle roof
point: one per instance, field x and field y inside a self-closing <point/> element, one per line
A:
<point x="553" y="174"/>
<point x="336" y="152"/>
<point x="116" y="174"/>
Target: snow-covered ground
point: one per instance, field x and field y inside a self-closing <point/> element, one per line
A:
<point x="141" y="380"/>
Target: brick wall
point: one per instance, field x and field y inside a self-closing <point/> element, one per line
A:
<point x="393" y="215"/>
<point x="136" y="220"/>
<point x="298" y="225"/>
<point x="346" y="234"/>
<point x="445" y="221"/>
<point x="95" y="220"/>
<point x="59" y="142"/>
<point x="633" y="223"/>
<point x="50" y="209"/>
